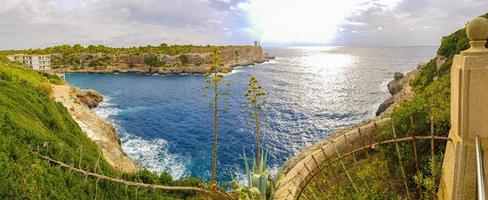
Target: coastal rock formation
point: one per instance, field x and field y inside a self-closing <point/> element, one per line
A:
<point x="396" y="84"/>
<point x="89" y="97"/>
<point x="400" y="89"/>
<point x="383" y="106"/>
<point x="269" y="57"/>
<point x="97" y="129"/>
<point x="163" y="64"/>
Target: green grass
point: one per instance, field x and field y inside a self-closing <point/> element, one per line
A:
<point x="29" y="120"/>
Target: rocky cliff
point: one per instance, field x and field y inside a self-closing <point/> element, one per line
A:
<point x="161" y="63"/>
<point x="97" y="129"/>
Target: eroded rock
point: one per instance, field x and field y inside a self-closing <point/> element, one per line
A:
<point x="383" y="106"/>
<point x="396" y="85"/>
<point x="89" y="97"/>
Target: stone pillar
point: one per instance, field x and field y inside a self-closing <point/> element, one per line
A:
<point x="258" y="52"/>
<point x="469" y="115"/>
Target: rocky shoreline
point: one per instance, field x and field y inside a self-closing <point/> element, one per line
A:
<point x="153" y="63"/>
<point x="79" y="102"/>
<point x="400" y="90"/>
<point x="161" y="71"/>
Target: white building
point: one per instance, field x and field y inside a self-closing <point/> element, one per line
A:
<point x="36" y="62"/>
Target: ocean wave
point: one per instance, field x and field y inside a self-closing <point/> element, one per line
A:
<point x="106" y="109"/>
<point x="152" y="154"/>
<point x="273" y="61"/>
<point x="235" y="71"/>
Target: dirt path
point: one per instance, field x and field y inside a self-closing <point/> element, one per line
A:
<point x="97" y="129"/>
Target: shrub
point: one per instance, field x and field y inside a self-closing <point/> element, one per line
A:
<point x="100" y="62"/>
<point x="154" y="61"/>
<point x="184" y="59"/>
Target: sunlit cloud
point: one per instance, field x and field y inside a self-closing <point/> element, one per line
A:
<point x="41" y="23"/>
<point x="303" y="21"/>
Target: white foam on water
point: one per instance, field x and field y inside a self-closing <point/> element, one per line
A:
<point x="240" y="176"/>
<point x="152" y="154"/>
<point x="273" y="61"/>
<point x="106" y="109"/>
<point x="234" y="71"/>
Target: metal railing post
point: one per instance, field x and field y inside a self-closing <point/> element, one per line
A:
<point x="480" y="176"/>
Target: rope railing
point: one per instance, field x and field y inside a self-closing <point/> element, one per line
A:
<point x="121" y="181"/>
<point x="331" y="168"/>
<point x="212" y="192"/>
<point x="367" y="147"/>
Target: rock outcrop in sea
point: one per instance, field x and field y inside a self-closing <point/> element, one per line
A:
<point x="89" y="97"/>
<point x="396" y="84"/>
<point x="400" y="90"/>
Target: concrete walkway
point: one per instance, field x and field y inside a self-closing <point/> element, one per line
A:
<point x="306" y="163"/>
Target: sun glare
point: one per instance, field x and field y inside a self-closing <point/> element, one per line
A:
<point x="300" y="21"/>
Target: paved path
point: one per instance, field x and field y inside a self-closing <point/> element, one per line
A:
<point x="306" y="163"/>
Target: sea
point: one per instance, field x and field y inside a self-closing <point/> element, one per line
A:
<point x="165" y="122"/>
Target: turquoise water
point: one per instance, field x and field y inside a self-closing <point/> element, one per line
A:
<point x="165" y="122"/>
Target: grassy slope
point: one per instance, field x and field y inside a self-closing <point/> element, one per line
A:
<point x="28" y="119"/>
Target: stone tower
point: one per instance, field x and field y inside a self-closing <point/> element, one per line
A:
<point x="258" y="51"/>
<point x="469" y="115"/>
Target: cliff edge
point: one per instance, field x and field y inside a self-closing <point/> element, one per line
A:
<point x="97" y="129"/>
<point x="157" y="63"/>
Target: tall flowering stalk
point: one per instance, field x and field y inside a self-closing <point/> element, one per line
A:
<point x="214" y="79"/>
<point x="255" y="96"/>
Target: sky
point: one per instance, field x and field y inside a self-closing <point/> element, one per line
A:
<point x="122" y="23"/>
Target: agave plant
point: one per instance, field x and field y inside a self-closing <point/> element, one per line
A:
<point x="258" y="178"/>
<point x="260" y="184"/>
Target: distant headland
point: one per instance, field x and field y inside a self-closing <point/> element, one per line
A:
<point x="162" y="59"/>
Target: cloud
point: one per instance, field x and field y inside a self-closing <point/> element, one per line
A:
<point x="411" y="22"/>
<point x="40" y="23"/>
<point x="289" y="21"/>
<point x="304" y="21"/>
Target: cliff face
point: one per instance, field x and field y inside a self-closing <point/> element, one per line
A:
<point x="163" y="64"/>
<point x="97" y="129"/>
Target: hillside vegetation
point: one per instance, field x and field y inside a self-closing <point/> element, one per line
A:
<point x="100" y="56"/>
<point x="431" y="102"/>
<point x="93" y="49"/>
<point x="30" y="121"/>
